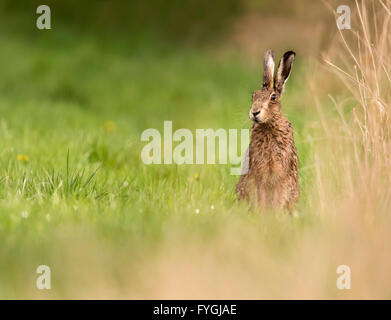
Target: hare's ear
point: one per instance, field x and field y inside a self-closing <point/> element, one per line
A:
<point x="283" y="71"/>
<point x="268" y="69"/>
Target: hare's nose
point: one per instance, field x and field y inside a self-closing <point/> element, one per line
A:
<point x="256" y="113"/>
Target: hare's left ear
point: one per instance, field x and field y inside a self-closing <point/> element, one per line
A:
<point x="283" y="71"/>
<point x="268" y="69"/>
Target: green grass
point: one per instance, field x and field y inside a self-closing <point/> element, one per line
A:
<point x="84" y="201"/>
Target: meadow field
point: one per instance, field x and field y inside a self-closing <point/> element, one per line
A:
<point x="75" y="195"/>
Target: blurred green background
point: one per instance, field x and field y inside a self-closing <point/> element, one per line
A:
<point x="74" y="100"/>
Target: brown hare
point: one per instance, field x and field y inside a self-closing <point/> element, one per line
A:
<point x="269" y="178"/>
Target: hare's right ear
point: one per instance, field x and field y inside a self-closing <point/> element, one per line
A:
<point x="283" y="71"/>
<point x="268" y="69"/>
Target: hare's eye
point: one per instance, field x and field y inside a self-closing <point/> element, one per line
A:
<point x="273" y="97"/>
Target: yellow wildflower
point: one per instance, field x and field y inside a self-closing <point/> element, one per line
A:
<point x="110" y="126"/>
<point x="23" y="157"/>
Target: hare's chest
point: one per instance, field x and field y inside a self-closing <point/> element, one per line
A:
<point x="268" y="158"/>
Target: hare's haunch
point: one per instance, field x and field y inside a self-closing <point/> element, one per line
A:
<point x="270" y="178"/>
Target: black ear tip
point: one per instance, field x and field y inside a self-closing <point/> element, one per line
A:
<point x="289" y="53"/>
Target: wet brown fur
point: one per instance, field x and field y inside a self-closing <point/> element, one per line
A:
<point x="272" y="177"/>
